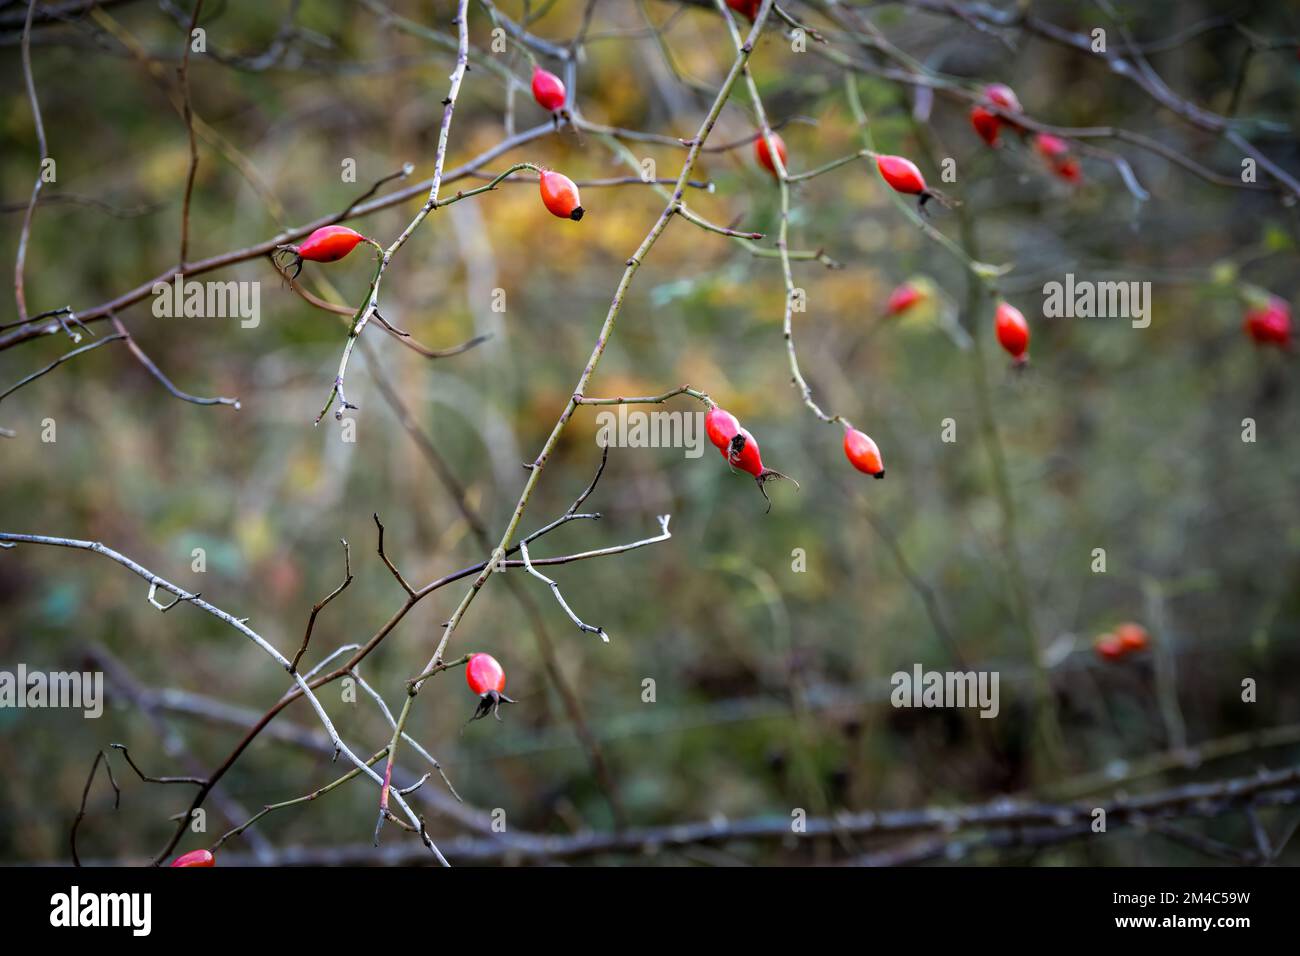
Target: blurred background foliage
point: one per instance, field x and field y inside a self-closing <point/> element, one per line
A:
<point x="772" y="685"/>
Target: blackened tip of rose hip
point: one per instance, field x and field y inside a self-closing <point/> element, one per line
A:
<point x="880" y="474"/>
<point x="577" y="213"/>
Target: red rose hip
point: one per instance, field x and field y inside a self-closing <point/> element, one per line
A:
<point x="194" y="858"/>
<point x="742" y="452"/>
<point x="486" y="677"/>
<point x="721" y="426"/>
<point x="901" y="174"/>
<point x="560" y="195"/>
<point x="326" y="244"/>
<point x="1269" y="324"/>
<point x="863" y="453"/>
<point x="548" y="89"/>
<point x="1012" y="332"/>
<point x="903" y="298"/>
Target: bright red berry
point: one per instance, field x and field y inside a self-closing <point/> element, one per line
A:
<point x="487" y="678"/>
<point x="748" y="7"/>
<point x="764" y="155"/>
<point x="194" y="858"/>
<point x="1132" y="637"/>
<point x="548" y="89"/>
<point x="721" y="426"/>
<point x="1108" y="647"/>
<point x="483" y="674"/>
<point x="1270" y="324"/>
<point x="1012" y="331"/>
<point x="329" y="243"/>
<point x="901" y="174"/>
<point x="863" y="453"/>
<point x="986" y="124"/>
<point x="903" y="298"/>
<point x="560" y="195"/>
<point x="326" y="244"/>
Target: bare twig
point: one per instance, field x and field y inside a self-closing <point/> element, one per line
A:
<point x="316" y="608"/>
<point x="100" y="756"/>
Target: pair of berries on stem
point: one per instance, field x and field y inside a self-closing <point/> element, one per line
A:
<point x="900" y="173"/>
<point x="739" y="447"/>
<point x="1009" y="324"/>
<point x="332" y="243"/>
<point x="1126" y="639"/>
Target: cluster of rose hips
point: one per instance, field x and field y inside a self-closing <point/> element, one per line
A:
<point x="988" y="126"/>
<point x="1126" y="639"/>
<point x="1009" y="324"/>
<point x="559" y="193"/>
<point x="739" y="447"/>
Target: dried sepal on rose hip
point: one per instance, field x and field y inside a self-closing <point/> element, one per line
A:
<point x="560" y="195"/>
<point x="548" y="90"/>
<point x="487" y="678"/>
<point x="194" y="858"/>
<point x="326" y="244"/>
<point x="1012" y="332"/>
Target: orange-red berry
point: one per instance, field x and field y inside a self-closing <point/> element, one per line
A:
<point x="863" y="453"/>
<point x="560" y="195"/>
<point x="1132" y="637"/>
